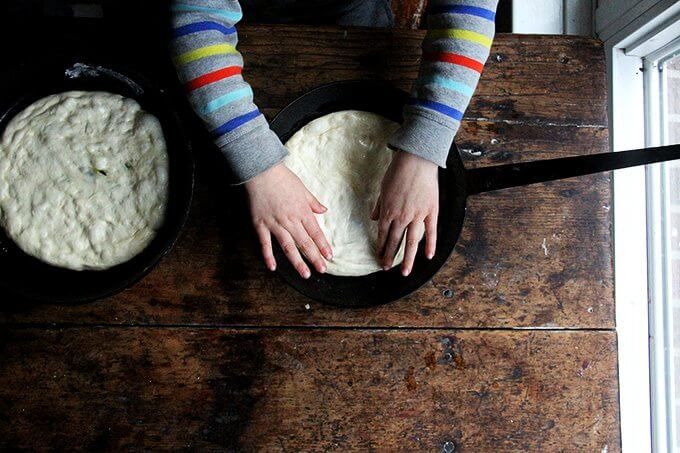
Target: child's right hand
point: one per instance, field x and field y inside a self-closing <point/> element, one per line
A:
<point x="281" y="205"/>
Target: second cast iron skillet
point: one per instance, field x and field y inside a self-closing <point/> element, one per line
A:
<point x="455" y="185"/>
<point x="25" y="278"/>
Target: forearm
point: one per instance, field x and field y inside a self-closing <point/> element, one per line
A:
<point x="455" y="50"/>
<point x="209" y="66"/>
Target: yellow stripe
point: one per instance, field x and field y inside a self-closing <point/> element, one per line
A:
<point x="457" y="33"/>
<point x="203" y="52"/>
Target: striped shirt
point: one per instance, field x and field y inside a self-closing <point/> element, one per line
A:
<point x="456" y="46"/>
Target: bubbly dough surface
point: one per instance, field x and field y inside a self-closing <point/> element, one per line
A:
<point x="83" y="179"/>
<point x="342" y="158"/>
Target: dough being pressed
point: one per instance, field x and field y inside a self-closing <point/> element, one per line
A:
<point x="342" y="158"/>
<point x="83" y="179"/>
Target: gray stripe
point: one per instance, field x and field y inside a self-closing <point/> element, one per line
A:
<point x="227" y="113"/>
<point x="205" y="38"/>
<point x="435" y="93"/>
<point x="467" y="22"/>
<point x="488" y="4"/>
<point x="256" y="126"/>
<point x="472" y="50"/>
<point x="451" y="71"/>
<point x="203" y="66"/>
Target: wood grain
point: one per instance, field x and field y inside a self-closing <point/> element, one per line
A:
<point x="533" y="103"/>
<point x="311" y="390"/>
<point x="211" y="351"/>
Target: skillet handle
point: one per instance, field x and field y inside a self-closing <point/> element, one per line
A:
<point x="498" y="177"/>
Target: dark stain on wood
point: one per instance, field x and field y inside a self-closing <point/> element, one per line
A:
<point x="431" y="360"/>
<point x="233" y="399"/>
<point x="260" y="389"/>
<point x="410" y="379"/>
<point x="516" y="373"/>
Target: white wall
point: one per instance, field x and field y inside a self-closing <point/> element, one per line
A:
<point x="553" y="17"/>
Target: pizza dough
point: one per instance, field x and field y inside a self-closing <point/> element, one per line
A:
<point x="342" y="158"/>
<point x="83" y="179"/>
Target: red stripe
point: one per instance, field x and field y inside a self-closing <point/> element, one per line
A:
<point x="454" y="58"/>
<point x="212" y="77"/>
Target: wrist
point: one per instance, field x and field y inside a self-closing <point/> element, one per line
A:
<point x="264" y="177"/>
<point x="405" y="158"/>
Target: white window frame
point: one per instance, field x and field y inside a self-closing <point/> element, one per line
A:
<point x="662" y="368"/>
<point x="630" y="254"/>
<point x="631" y="31"/>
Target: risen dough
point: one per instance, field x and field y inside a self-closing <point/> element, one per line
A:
<point x="83" y="179"/>
<point x="341" y="158"/>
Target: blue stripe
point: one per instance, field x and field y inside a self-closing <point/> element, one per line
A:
<point x="228" y="98"/>
<point x="231" y="15"/>
<point x="236" y="122"/>
<point x="202" y="26"/>
<point x="463" y="9"/>
<point x="436" y="106"/>
<point x="446" y="83"/>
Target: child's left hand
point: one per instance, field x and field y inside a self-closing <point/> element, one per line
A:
<point x="409" y="198"/>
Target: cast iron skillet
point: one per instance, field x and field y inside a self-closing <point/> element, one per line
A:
<point x="455" y="185"/>
<point x="28" y="278"/>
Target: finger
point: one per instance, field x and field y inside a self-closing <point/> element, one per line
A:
<point x="315" y="204"/>
<point x="383" y="230"/>
<point x="375" y="213"/>
<point x="431" y="235"/>
<point x="308" y="247"/>
<point x="414" y="232"/>
<point x="291" y="251"/>
<point x="266" y="242"/>
<point x="314" y="231"/>
<point x="393" y="240"/>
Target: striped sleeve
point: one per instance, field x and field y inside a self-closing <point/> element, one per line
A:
<point x="457" y="45"/>
<point x="208" y="64"/>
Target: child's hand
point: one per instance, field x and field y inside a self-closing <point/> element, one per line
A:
<point x="409" y="197"/>
<point x="281" y="205"/>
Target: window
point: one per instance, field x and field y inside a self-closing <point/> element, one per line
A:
<point x="662" y="93"/>
<point x="642" y="41"/>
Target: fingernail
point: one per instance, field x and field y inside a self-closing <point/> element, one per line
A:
<point x="306" y="273"/>
<point x="323" y="269"/>
<point x="386" y="267"/>
<point x="430" y="256"/>
<point x="405" y="272"/>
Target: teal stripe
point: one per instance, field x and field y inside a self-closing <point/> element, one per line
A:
<point x="231" y="15"/>
<point x="225" y="99"/>
<point x="447" y="83"/>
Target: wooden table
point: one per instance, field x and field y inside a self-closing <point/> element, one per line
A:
<point x="510" y="347"/>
